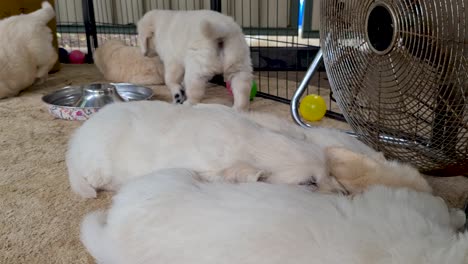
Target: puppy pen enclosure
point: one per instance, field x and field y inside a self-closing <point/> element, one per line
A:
<point x="282" y="35"/>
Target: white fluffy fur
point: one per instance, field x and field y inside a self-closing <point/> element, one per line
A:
<point x="194" y="46"/>
<point x="324" y="137"/>
<point x="169" y="217"/>
<point x="26" y="51"/>
<point x="121" y="63"/>
<point x="354" y="164"/>
<point x="127" y="140"/>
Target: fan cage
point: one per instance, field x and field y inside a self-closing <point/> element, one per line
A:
<point x="398" y="70"/>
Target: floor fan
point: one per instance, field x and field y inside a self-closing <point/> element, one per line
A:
<point x="398" y="70"/>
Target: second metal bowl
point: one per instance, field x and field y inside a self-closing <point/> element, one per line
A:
<point x="80" y="102"/>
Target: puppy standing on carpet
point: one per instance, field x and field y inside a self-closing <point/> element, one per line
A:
<point x="194" y="46"/>
<point x="26" y="51"/>
<point x="121" y="63"/>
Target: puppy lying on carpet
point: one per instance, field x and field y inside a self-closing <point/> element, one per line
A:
<point x="171" y="217"/>
<point x="124" y="141"/>
<point x="121" y="63"/>
<point x="26" y="51"/>
<point x="127" y="140"/>
<point x="195" y="46"/>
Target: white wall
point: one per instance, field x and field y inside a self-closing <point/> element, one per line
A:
<point x="248" y="13"/>
<point x="315" y="19"/>
<point x="258" y="13"/>
<point x="69" y="11"/>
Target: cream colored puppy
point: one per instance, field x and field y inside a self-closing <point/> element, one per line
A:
<point x="121" y="63"/>
<point x="170" y="217"/>
<point x="127" y="140"/>
<point x="194" y="46"/>
<point x="26" y="51"/>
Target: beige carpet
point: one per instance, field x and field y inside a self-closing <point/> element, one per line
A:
<point x="39" y="216"/>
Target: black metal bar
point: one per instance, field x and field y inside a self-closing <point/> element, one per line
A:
<point x="90" y="28"/>
<point x="335" y="115"/>
<point x="216" y="5"/>
<point x="273" y="97"/>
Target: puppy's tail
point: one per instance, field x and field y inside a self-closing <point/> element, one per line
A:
<point x="94" y="237"/>
<point x="216" y="31"/>
<point x="45" y="14"/>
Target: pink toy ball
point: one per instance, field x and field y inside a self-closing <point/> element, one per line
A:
<point x="228" y="86"/>
<point x="77" y="57"/>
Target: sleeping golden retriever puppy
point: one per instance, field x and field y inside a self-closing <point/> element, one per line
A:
<point x="121" y="63"/>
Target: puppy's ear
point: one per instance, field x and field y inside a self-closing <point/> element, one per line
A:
<point x="380" y="156"/>
<point x="243" y="172"/>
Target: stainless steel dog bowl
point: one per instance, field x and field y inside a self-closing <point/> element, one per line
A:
<point x="98" y="95"/>
<point x="80" y="102"/>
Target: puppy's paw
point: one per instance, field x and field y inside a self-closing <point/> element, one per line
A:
<point x="243" y="172"/>
<point x="187" y="102"/>
<point x="179" y="97"/>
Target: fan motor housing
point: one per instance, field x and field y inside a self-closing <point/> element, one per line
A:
<point x="381" y="28"/>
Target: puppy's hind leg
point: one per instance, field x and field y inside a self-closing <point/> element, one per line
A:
<point x="195" y="83"/>
<point x="173" y="75"/>
<point x="5" y="90"/>
<point x="241" y="83"/>
<point x="44" y="67"/>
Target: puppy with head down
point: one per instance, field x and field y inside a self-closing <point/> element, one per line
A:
<point x="127" y="140"/>
<point x="194" y="46"/>
<point x="121" y="63"/>
<point x="169" y="216"/>
<point x="26" y="51"/>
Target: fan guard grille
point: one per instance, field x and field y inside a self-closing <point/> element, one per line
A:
<point x="399" y="71"/>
